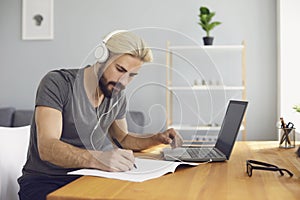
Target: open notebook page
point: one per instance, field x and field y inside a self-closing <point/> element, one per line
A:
<point x="146" y="169"/>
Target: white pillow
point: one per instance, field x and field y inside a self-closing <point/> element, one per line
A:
<point x="13" y="150"/>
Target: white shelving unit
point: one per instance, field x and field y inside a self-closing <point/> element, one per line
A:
<point x="212" y="47"/>
<point x="171" y="88"/>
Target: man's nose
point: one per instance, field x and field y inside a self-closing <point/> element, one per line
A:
<point x="124" y="80"/>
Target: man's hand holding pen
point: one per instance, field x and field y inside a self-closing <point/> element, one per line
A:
<point x="121" y="159"/>
<point x="120" y="146"/>
<point x="115" y="160"/>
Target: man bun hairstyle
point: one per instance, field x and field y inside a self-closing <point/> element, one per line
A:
<point x="126" y="42"/>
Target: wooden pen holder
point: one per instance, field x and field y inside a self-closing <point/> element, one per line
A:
<point x="286" y="137"/>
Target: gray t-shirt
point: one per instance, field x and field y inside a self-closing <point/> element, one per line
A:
<point x="83" y="127"/>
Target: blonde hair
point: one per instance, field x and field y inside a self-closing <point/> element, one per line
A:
<point x="126" y="42"/>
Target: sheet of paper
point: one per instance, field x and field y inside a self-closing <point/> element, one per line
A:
<point x="146" y="169"/>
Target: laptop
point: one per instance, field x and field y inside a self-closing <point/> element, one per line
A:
<point x="222" y="149"/>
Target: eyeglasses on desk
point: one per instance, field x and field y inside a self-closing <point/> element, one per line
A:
<point x="258" y="165"/>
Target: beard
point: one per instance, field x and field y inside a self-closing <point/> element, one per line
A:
<point x="104" y="86"/>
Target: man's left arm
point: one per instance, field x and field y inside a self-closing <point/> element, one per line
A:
<point x="138" y="142"/>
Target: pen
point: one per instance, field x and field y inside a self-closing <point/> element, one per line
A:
<point x="282" y="122"/>
<point x="286" y="133"/>
<point x="120" y="146"/>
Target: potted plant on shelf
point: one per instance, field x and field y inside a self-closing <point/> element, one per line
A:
<point x="205" y="18"/>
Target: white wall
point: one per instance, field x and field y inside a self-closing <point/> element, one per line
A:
<point x="79" y="25"/>
<point x="289" y="63"/>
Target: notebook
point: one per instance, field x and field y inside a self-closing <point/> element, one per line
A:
<point x="226" y="138"/>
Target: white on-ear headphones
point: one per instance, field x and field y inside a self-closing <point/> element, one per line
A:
<point x="101" y="51"/>
<point x="98" y="123"/>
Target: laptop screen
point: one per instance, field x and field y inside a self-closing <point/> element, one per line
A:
<point x="231" y="126"/>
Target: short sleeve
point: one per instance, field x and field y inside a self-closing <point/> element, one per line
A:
<point x="52" y="91"/>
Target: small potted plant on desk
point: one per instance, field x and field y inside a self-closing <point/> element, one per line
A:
<point x="205" y="18"/>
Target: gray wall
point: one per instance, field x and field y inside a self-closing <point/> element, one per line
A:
<point x="79" y="25"/>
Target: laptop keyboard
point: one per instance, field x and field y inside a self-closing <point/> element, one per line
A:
<point x="203" y="152"/>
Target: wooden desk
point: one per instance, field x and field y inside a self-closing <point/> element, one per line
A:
<point x="226" y="180"/>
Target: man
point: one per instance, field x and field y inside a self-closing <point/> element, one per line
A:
<point x="79" y="113"/>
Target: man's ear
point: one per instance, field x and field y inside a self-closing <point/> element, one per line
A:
<point x="101" y="70"/>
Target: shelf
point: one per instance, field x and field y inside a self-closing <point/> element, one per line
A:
<point x="197" y="128"/>
<point x="212" y="47"/>
<point x="235" y="86"/>
<point x="211" y="87"/>
<point x="191" y="128"/>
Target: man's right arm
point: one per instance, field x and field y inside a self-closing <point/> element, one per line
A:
<point x="52" y="149"/>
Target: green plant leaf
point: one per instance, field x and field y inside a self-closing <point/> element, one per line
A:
<point x="204" y="10"/>
<point x="210" y="16"/>
<point x="213" y="25"/>
<point x="204" y="27"/>
<point x="203" y="19"/>
<point x="297" y="108"/>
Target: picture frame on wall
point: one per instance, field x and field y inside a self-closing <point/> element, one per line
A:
<point x="37" y="20"/>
